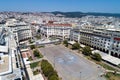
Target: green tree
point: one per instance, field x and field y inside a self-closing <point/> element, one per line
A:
<point x="32" y="46"/>
<point x="53" y="77"/>
<point x="65" y="42"/>
<point x="53" y="73"/>
<point x="48" y="70"/>
<point x="87" y="51"/>
<point x="30" y="58"/>
<point x="36" y="53"/>
<point x="97" y="57"/>
<point x="30" y="41"/>
<point x="75" y="46"/>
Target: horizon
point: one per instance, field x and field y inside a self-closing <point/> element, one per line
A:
<point x="85" y="6"/>
<point x="58" y="11"/>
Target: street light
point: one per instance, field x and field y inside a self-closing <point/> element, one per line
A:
<point x="80" y="75"/>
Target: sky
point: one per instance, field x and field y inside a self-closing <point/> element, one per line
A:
<point x="103" y="6"/>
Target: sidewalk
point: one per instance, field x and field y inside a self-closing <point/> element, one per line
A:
<point x="33" y="77"/>
<point x="112" y="71"/>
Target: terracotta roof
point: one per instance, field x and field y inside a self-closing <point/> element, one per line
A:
<point x="59" y="25"/>
<point x="24" y="55"/>
<point x="118" y="39"/>
<point x="51" y="22"/>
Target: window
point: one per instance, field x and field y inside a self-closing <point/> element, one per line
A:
<point x="117" y="46"/>
<point x="116" y="49"/>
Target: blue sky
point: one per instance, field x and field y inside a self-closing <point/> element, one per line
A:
<point x="106" y="6"/>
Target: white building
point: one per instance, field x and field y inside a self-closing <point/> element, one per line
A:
<point x="34" y="28"/>
<point x="9" y="63"/>
<point x="106" y="40"/>
<point x="58" y="30"/>
<point x="21" y="30"/>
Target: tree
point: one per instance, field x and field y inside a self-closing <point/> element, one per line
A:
<point x="30" y="58"/>
<point x="65" y="42"/>
<point x="48" y="70"/>
<point x="75" y="46"/>
<point x="36" y="53"/>
<point x="53" y="77"/>
<point x="97" y="57"/>
<point x="87" y="51"/>
<point x="30" y="41"/>
<point x="32" y="46"/>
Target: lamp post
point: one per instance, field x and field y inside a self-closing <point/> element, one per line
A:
<point x="80" y="75"/>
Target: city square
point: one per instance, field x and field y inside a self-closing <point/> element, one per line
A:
<point x="70" y="66"/>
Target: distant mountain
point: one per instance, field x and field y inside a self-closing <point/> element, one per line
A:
<point x="81" y="14"/>
<point x="104" y="14"/>
<point x="70" y="14"/>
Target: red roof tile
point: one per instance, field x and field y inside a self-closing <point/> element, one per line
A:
<point x="24" y="55"/>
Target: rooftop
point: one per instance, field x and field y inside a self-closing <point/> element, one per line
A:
<point x="3" y="41"/>
<point x="15" y="75"/>
<point x="4" y="65"/>
<point x="59" y="25"/>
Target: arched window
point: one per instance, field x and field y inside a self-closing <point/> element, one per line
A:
<point x="119" y="56"/>
<point x="112" y="54"/>
<point x="116" y="55"/>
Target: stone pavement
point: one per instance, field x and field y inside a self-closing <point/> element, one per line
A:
<point x="33" y="77"/>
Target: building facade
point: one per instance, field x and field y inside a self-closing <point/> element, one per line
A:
<point x="58" y="30"/>
<point x="21" y="30"/>
<point x="106" y="40"/>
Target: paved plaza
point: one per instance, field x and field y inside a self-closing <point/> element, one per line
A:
<point x="70" y="66"/>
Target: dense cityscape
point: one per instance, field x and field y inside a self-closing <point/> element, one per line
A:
<point x="30" y="39"/>
<point x="59" y="40"/>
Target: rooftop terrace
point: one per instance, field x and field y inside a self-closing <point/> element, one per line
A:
<point x="4" y="65"/>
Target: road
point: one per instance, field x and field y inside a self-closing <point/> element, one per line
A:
<point x="69" y="65"/>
